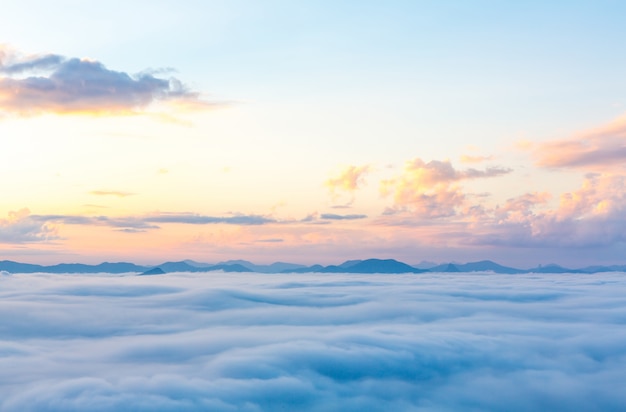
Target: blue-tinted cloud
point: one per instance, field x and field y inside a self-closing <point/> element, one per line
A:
<point x="148" y="222"/>
<point x="333" y="216"/>
<point x="224" y="342"/>
<point x="196" y="219"/>
<point x="56" y="84"/>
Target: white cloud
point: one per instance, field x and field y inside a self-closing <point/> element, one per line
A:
<point x="21" y="227"/>
<point x="224" y="342"/>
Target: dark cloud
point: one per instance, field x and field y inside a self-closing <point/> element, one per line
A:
<point x="332" y="216"/>
<point x="224" y="342"/>
<point x="121" y="222"/>
<point x="135" y="223"/>
<point x="70" y="85"/>
<point x="33" y="64"/>
<point x="194" y="219"/>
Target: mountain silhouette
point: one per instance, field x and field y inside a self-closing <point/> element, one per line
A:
<point x="349" y="266"/>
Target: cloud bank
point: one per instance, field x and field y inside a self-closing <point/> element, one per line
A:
<point x="50" y="83"/>
<point x="224" y="342"/>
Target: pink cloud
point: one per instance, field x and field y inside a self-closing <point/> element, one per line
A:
<point x="474" y="159"/>
<point x="349" y="180"/>
<point x="432" y="190"/>
<point x="596" y="149"/>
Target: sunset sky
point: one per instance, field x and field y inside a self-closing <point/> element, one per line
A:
<point x="313" y="131"/>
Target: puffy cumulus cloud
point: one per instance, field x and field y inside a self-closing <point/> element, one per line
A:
<point x="223" y="342"/>
<point x="432" y="189"/>
<point x="599" y="195"/>
<point x="591" y="216"/>
<point x="21" y="227"/>
<point x="598" y="149"/>
<point x="50" y="83"/>
<point x="518" y="209"/>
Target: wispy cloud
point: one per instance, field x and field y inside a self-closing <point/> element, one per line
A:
<point x="134" y="223"/>
<point x="469" y="159"/>
<point x="196" y="219"/>
<point x="332" y="216"/>
<point x="596" y="150"/>
<point x="271" y="240"/>
<point x="51" y="83"/>
<point x="347" y="182"/>
<point x="349" y="179"/>
<point x="111" y="193"/>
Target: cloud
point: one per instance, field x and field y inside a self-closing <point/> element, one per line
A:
<point x="431" y="190"/>
<point x="598" y="149"/>
<point x="110" y="193"/>
<point x="475" y="159"/>
<point x="223" y="342"/>
<point x="195" y="219"/>
<point x="133" y="224"/>
<point x="21" y="227"/>
<point x="592" y="216"/>
<point x="332" y="216"/>
<point x="349" y="180"/>
<point x="50" y="83"/>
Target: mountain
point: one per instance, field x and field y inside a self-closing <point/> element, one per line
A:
<point x="552" y="268"/>
<point x="275" y="267"/>
<point x="106" y="267"/>
<point x="361" y="266"/>
<point x="445" y="267"/>
<point x="183" y="266"/>
<point x="179" y="267"/>
<point x="599" y="269"/>
<point x="197" y="264"/>
<point x="481" y="266"/>
<point x="425" y="264"/>
<point x="154" y="271"/>
<point x="349" y="263"/>
<point x="349" y="266"/>
<point x="227" y="268"/>
<point x="382" y="266"/>
<point x="16" y="267"/>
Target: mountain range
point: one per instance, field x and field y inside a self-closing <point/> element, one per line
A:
<point x="350" y="266"/>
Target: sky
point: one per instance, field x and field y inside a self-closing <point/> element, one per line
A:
<point x="313" y="132"/>
<point x="244" y="342"/>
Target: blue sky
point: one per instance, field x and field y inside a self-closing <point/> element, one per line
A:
<point x="456" y="131"/>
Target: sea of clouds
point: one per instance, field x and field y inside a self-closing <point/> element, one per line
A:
<point x="312" y="342"/>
